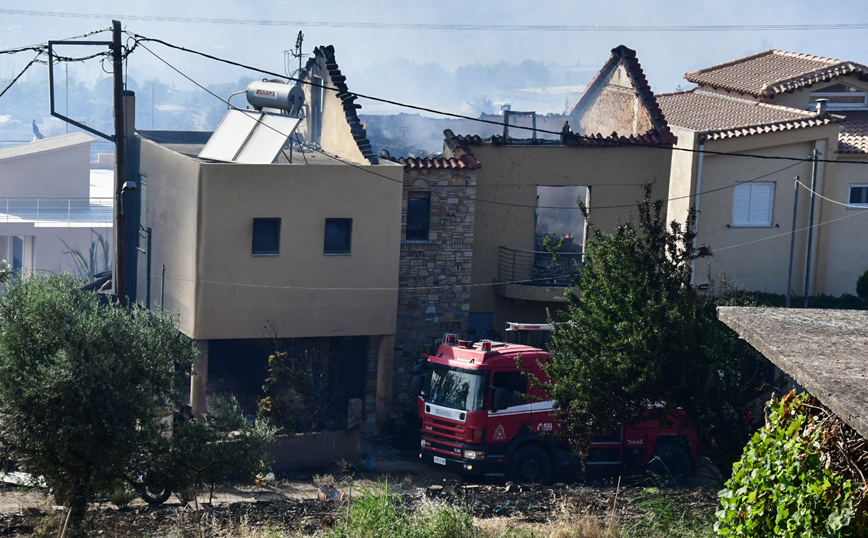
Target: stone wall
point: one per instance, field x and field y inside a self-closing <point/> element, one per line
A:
<point x="434" y="275"/>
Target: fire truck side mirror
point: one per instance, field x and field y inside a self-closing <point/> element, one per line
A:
<point x="501" y="399"/>
<point x="416" y="385"/>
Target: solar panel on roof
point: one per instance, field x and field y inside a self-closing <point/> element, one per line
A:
<point x="249" y="137"/>
<point x="268" y="139"/>
<point x="230" y="136"/>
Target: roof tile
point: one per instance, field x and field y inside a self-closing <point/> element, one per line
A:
<point x="854" y="132"/>
<point x="719" y="116"/>
<point x="773" y="72"/>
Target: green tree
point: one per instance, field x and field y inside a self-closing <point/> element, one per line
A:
<point x="221" y="444"/>
<point x="81" y="386"/>
<point x="5" y="273"/>
<point x="638" y="335"/>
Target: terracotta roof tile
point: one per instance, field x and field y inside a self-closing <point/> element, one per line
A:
<point x="347" y="98"/>
<point x="854" y="132"/>
<point x="719" y="116"/>
<point x="426" y="163"/>
<point x="773" y="72"/>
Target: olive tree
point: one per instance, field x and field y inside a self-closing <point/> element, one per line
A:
<point x="85" y="386"/>
<point x="638" y="335"/>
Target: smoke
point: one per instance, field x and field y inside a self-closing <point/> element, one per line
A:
<point x="561" y="222"/>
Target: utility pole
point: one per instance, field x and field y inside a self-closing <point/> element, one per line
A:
<point x="815" y="156"/>
<point x="793" y="237"/>
<point x="120" y="273"/>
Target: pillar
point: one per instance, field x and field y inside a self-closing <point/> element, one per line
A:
<point x="199" y="380"/>
<point x="385" y="374"/>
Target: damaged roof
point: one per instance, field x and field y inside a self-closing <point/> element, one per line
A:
<point x="627" y="57"/>
<point x="773" y="72"/>
<point x="347" y="98"/>
<point x="719" y="116"/>
<point x="825" y="351"/>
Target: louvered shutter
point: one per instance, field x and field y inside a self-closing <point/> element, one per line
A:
<point x="761" y="202"/>
<point x="741" y="205"/>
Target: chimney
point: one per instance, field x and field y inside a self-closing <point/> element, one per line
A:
<point x="821" y="106"/>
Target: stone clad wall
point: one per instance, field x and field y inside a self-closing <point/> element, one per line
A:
<point x="434" y="276"/>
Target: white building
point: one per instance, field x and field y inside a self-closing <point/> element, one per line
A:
<point x="51" y="203"/>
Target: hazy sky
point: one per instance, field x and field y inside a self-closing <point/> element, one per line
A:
<point x="402" y="60"/>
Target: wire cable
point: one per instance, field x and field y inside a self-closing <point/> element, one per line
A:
<point x="26" y="67"/>
<point x="380" y="25"/>
<point x="612" y="141"/>
<point x="818" y="195"/>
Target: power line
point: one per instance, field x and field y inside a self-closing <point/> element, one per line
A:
<point x="381" y="25"/>
<point x="26" y="67"/>
<point x="615" y="142"/>
<point x="475" y="199"/>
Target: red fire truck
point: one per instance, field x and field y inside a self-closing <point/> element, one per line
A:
<point x="480" y="416"/>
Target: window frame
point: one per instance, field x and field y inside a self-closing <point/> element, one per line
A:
<point x="419" y="195"/>
<point x="750" y="223"/>
<point x="859" y="205"/>
<point x="349" y="249"/>
<point x="265" y="252"/>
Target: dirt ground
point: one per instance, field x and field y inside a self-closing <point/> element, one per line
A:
<point x="291" y="504"/>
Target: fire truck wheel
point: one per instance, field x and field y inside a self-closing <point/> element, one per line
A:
<point x="671" y="463"/>
<point x="530" y="463"/>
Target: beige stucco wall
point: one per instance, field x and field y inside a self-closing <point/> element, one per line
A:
<point x="301" y="292"/>
<point x="170" y="191"/>
<point x="202" y="219"/>
<point x="757" y="258"/>
<point x="683" y="174"/>
<point x="506" y="196"/>
<point x="843" y="250"/>
<point x="59" y="172"/>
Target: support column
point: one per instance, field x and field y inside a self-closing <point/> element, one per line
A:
<point x="385" y="374"/>
<point x="199" y="380"/>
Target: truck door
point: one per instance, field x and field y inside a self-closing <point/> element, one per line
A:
<point x="505" y="424"/>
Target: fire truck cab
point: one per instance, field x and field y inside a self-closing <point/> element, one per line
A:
<point x="479" y="415"/>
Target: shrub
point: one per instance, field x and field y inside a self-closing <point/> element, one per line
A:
<point x="862" y="286"/>
<point x="785" y="485"/>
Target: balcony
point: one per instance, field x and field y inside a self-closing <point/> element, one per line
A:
<point x="49" y="212"/>
<point x="533" y="274"/>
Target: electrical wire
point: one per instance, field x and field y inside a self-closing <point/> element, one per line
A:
<point x="475" y="199"/>
<point x="26" y="67"/>
<point x="381" y="25"/>
<point x="818" y="195"/>
<point x="615" y="142"/>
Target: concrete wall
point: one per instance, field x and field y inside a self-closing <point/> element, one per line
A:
<point x="507" y="188"/>
<point x="313" y="450"/>
<point x="170" y="204"/>
<point x="843" y="251"/>
<point x="47" y="168"/>
<point x="683" y="174"/>
<point x="757" y="258"/>
<point x="44" y="247"/>
<point x="301" y="291"/>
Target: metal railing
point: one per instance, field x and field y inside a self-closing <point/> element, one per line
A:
<point x="537" y="267"/>
<point x="57" y="211"/>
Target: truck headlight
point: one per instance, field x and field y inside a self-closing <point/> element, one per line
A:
<point x="474" y="455"/>
<point x="423" y="443"/>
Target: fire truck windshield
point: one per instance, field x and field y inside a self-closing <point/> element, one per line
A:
<point x="456" y="389"/>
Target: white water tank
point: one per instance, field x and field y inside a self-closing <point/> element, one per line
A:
<point x="265" y="94"/>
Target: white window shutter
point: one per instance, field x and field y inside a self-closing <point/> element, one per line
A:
<point x="741" y="205"/>
<point x="761" y="204"/>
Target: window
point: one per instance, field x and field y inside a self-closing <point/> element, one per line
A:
<point x="266" y="237"/>
<point x="515" y="383"/>
<point x="338" y="236"/>
<point x="752" y="204"/>
<point x="858" y="195"/>
<point x="418" y="216"/>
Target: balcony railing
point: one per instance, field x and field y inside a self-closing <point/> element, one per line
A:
<point x="537" y="268"/>
<point x="44" y="211"/>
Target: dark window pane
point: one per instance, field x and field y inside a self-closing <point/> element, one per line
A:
<point x="266" y="236"/>
<point x="858" y="195"/>
<point x="338" y="236"/>
<point x="515" y="382"/>
<point x="418" y="216"/>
